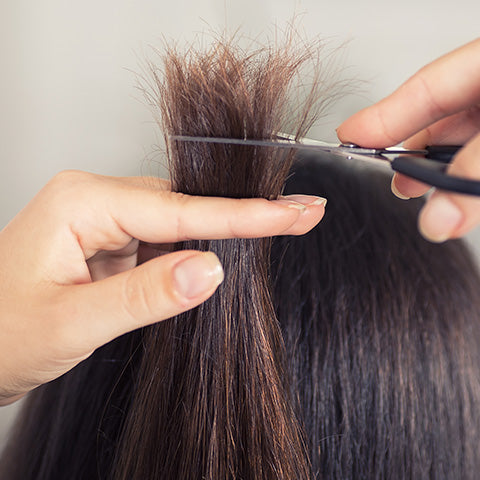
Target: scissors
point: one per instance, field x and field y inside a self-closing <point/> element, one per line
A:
<point x="427" y="165"/>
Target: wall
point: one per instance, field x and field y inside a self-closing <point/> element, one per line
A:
<point x="68" y="97"/>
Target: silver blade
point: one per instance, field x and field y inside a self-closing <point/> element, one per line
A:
<point x="281" y="142"/>
<point x="284" y="140"/>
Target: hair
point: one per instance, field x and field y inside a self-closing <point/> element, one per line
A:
<point x="381" y="329"/>
<point x="236" y="420"/>
<point x="354" y="356"/>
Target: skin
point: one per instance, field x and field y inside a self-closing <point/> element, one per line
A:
<point x="70" y="280"/>
<point x="439" y="105"/>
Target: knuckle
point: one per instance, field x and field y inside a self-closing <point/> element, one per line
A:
<point x="140" y="300"/>
<point x="68" y="183"/>
<point x="183" y="204"/>
<point x="385" y="127"/>
<point x="433" y="103"/>
<point x="69" y="177"/>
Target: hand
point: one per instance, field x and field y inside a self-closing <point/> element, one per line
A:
<point x="69" y="281"/>
<point x="440" y="104"/>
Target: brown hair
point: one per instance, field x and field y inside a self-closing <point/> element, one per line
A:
<point x="225" y="383"/>
<point x="382" y="330"/>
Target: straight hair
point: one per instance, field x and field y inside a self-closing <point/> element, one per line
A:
<point x="381" y="329"/>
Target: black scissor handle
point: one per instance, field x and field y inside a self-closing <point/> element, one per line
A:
<point x="442" y="153"/>
<point x="433" y="172"/>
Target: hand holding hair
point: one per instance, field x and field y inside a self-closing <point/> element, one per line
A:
<point x="69" y="280"/>
<point x="439" y="105"/>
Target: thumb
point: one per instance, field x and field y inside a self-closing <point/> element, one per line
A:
<point x="156" y="290"/>
<point x="448" y="215"/>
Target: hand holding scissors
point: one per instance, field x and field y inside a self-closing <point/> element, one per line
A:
<point x="439" y="105"/>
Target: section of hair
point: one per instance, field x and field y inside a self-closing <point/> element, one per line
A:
<point x="382" y="332"/>
<point x="213" y="380"/>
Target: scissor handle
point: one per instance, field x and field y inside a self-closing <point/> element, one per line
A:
<point x="442" y="153"/>
<point x="433" y="172"/>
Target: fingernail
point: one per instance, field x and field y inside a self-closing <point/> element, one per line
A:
<point x="197" y="275"/>
<point x="396" y="192"/>
<point x="301" y="201"/>
<point x="439" y="219"/>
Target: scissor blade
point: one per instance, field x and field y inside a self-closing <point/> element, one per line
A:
<point x="277" y="143"/>
<point x="284" y="140"/>
<point x="369" y="158"/>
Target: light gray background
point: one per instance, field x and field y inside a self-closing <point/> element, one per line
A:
<point x="67" y="96"/>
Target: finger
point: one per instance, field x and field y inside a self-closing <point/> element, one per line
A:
<point x="445" y="87"/>
<point x="173" y="217"/>
<point x="456" y="129"/>
<point x="453" y="130"/>
<point x="448" y="215"/>
<point x="405" y="187"/>
<point x="177" y="217"/>
<point x="93" y="314"/>
<point x="120" y="211"/>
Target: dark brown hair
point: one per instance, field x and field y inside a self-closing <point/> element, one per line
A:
<point x="236" y="420"/>
<point x="362" y="366"/>
<point x="382" y="330"/>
